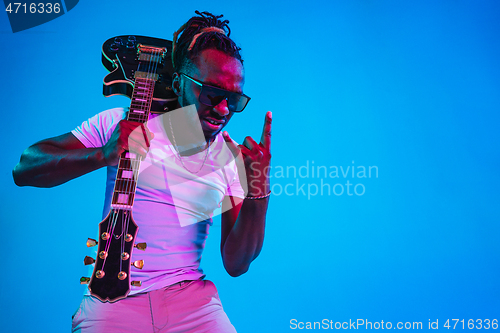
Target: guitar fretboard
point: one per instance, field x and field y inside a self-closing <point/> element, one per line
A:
<point x="128" y="167"/>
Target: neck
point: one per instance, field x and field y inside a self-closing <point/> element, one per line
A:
<point x="184" y="132"/>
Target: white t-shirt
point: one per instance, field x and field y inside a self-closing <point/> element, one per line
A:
<point x="173" y="207"/>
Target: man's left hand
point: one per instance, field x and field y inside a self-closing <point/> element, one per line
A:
<point x="256" y="157"/>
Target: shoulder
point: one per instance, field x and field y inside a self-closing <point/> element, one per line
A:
<point x="113" y="115"/>
<point x="96" y="131"/>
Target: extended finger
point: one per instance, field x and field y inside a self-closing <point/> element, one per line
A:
<point x="230" y="144"/>
<point x="250" y="143"/>
<point x="265" y="139"/>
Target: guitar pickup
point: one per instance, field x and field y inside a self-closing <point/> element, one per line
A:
<point x="146" y="75"/>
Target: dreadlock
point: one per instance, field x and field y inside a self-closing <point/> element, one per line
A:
<point x="202" y="32"/>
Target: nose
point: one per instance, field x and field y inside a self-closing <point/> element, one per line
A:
<point x="221" y="108"/>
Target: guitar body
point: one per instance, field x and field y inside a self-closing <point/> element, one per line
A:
<point x="119" y="56"/>
<point x="117" y="233"/>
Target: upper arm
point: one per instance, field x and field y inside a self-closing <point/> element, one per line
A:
<point x="65" y="141"/>
<point x="231" y="207"/>
<point x="32" y="160"/>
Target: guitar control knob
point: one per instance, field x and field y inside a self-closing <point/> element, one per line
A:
<point x="88" y="260"/>
<point x="138" y="264"/>
<point x="84" y="280"/>
<point x="130" y="44"/>
<point x="131" y="38"/>
<point x="140" y="246"/>
<point x="136" y="283"/>
<point x="114" y="47"/>
<point x="122" y="275"/>
<point x="99" y="274"/>
<point x="103" y="254"/>
<point x="118" y="41"/>
<point x="91" y="242"/>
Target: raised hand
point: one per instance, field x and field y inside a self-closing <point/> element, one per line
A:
<point x="256" y="158"/>
<point x="128" y="136"/>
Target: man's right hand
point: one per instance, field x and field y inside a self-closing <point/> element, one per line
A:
<point x="56" y="160"/>
<point x="127" y="136"/>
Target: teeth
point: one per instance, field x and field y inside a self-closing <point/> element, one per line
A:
<point x="213" y="122"/>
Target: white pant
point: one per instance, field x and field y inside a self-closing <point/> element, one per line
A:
<point x="187" y="306"/>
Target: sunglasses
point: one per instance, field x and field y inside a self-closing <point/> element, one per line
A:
<point x="212" y="96"/>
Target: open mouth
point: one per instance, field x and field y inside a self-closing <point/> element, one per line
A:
<point x="213" y="123"/>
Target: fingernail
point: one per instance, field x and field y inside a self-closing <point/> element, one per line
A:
<point x="270" y="114"/>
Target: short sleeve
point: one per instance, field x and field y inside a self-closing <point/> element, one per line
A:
<point x="235" y="189"/>
<point x="96" y="131"/>
<point x="234" y="186"/>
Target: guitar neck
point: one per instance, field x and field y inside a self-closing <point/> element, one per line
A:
<point x="129" y="164"/>
<point x="141" y="100"/>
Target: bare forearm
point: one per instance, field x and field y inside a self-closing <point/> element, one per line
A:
<point x="246" y="238"/>
<point x="44" y="165"/>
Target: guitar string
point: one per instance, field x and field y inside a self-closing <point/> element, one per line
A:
<point x="111" y="228"/>
<point x="135" y="162"/>
<point x="114" y="217"/>
<point x="114" y="214"/>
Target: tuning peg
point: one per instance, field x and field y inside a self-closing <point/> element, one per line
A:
<point x="91" y="242"/>
<point x="136" y="283"/>
<point x="88" y="260"/>
<point x="84" y="280"/>
<point x="138" y="264"/>
<point x="140" y="246"/>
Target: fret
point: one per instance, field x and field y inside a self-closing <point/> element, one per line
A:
<point x="122" y="199"/>
<point x="125" y="164"/>
<point x="126" y="174"/>
<point x="138" y="104"/>
<point x="136" y="118"/>
<point x="121" y="207"/>
<point x="124" y="185"/>
<point x="130" y="155"/>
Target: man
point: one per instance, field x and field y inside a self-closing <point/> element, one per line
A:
<point x="173" y="296"/>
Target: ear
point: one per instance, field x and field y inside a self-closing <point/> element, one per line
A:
<point x="176" y="83"/>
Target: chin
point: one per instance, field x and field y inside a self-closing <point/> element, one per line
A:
<point x="210" y="135"/>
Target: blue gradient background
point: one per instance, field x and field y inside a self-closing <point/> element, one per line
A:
<point x="410" y="87"/>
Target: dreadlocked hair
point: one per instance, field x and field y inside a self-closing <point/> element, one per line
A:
<point x="202" y="32"/>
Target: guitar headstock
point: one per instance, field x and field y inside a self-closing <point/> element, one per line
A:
<point x="110" y="279"/>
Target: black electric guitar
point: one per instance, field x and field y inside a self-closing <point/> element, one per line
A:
<point x="140" y="69"/>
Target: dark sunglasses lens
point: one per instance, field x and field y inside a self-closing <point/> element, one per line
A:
<point x="211" y="96"/>
<point x="237" y="103"/>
